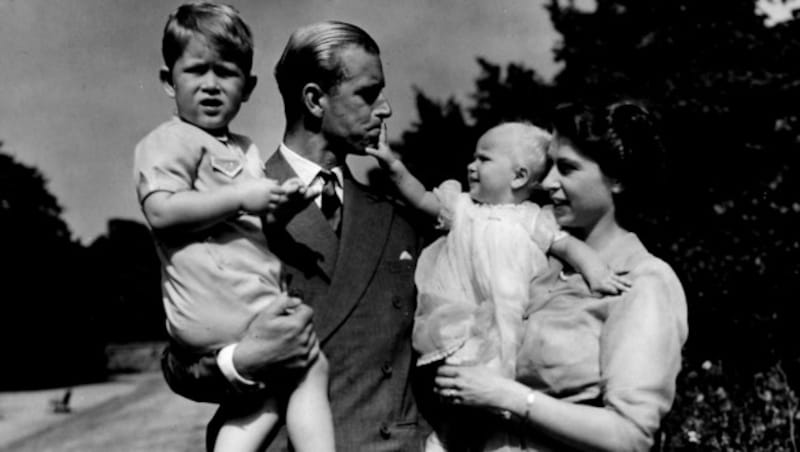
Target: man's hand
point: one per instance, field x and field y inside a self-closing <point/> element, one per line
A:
<point x="281" y="337"/>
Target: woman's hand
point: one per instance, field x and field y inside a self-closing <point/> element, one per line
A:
<point x="474" y="385"/>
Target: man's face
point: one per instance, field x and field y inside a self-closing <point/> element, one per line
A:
<point x="356" y="107"/>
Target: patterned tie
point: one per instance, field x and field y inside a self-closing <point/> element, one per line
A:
<point x="331" y="205"/>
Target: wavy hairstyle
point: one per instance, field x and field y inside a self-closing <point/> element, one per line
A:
<point x="312" y="56"/>
<point x="622" y="138"/>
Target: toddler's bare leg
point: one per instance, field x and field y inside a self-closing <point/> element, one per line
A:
<point x="308" y="414"/>
<point x="242" y="428"/>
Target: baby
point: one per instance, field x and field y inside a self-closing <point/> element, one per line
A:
<point x="205" y="196"/>
<point x="473" y="283"/>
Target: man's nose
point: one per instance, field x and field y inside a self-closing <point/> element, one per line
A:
<point x="383" y="109"/>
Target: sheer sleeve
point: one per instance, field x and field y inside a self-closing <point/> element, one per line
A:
<point x="641" y="349"/>
<point x="545" y="230"/>
<point x="448" y="193"/>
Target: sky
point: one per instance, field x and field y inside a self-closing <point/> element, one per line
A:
<point x="79" y="78"/>
<point x="79" y="85"/>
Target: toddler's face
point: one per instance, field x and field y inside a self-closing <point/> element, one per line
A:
<point x="208" y="89"/>
<point x="492" y="171"/>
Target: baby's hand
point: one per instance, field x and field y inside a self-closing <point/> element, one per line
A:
<point x="609" y="283"/>
<point x="383" y="152"/>
<point x="258" y="196"/>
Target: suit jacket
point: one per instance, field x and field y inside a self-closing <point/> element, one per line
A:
<point x="362" y="290"/>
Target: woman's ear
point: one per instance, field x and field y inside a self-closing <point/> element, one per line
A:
<point x="165" y="75"/>
<point x="522" y="177"/>
<point x="314" y="99"/>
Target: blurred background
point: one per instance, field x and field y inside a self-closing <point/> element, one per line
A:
<point x="79" y="88"/>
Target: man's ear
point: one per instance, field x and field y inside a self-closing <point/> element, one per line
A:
<point x="249" y="86"/>
<point x="166" y="81"/>
<point x="522" y="176"/>
<point x="314" y="99"/>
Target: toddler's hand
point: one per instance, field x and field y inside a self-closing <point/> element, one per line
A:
<point x="258" y="196"/>
<point x="609" y="283"/>
<point x="296" y="197"/>
<point x="383" y="152"/>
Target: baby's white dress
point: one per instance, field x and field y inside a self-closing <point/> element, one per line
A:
<point x="474" y="282"/>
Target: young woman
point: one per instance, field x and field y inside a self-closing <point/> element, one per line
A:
<point x="592" y="373"/>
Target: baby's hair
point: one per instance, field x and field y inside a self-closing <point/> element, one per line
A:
<point x="220" y="26"/>
<point x="531" y="149"/>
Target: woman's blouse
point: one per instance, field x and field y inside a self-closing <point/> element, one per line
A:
<point x="619" y="352"/>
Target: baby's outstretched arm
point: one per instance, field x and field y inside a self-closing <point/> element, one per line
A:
<point x="586" y="260"/>
<point x="408" y="185"/>
<point x="188" y="211"/>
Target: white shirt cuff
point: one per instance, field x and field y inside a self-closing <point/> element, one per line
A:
<point x="225" y="363"/>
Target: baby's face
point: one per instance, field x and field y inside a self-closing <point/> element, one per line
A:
<point x="492" y="171"/>
<point x="208" y="89"/>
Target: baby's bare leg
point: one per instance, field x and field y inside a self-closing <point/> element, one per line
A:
<point x="308" y="415"/>
<point x="243" y="428"/>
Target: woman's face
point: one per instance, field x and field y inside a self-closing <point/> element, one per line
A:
<point x="581" y="193"/>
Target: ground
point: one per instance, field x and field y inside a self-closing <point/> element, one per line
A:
<point x="135" y="412"/>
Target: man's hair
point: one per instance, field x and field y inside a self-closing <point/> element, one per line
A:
<point x="312" y="56"/>
<point x="220" y="26"/>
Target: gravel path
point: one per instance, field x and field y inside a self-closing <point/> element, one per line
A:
<point x="145" y="417"/>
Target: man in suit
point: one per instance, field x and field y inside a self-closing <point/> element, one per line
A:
<point x="350" y="256"/>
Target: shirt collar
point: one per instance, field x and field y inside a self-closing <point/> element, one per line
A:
<point x="306" y="170"/>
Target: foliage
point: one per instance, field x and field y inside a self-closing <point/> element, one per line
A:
<point x="718" y="409"/>
<point x="49" y="320"/>
<point x="129" y="280"/>
<point x="725" y="89"/>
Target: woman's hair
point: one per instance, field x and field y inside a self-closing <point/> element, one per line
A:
<point x="312" y="56"/>
<point x="622" y="138"/>
<point x="219" y="25"/>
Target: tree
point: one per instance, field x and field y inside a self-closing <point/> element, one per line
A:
<point x="129" y="280"/>
<point x="725" y="87"/>
<point x="49" y="316"/>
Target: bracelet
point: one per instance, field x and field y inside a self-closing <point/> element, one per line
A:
<point x="529" y="400"/>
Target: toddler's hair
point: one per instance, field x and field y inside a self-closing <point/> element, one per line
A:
<point x="220" y="26"/>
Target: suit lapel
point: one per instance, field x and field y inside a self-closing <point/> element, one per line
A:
<point x="365" y="229"/>
<point x="307" y="243"/>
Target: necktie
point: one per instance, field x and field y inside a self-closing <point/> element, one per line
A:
<point x="331" y="205"/>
